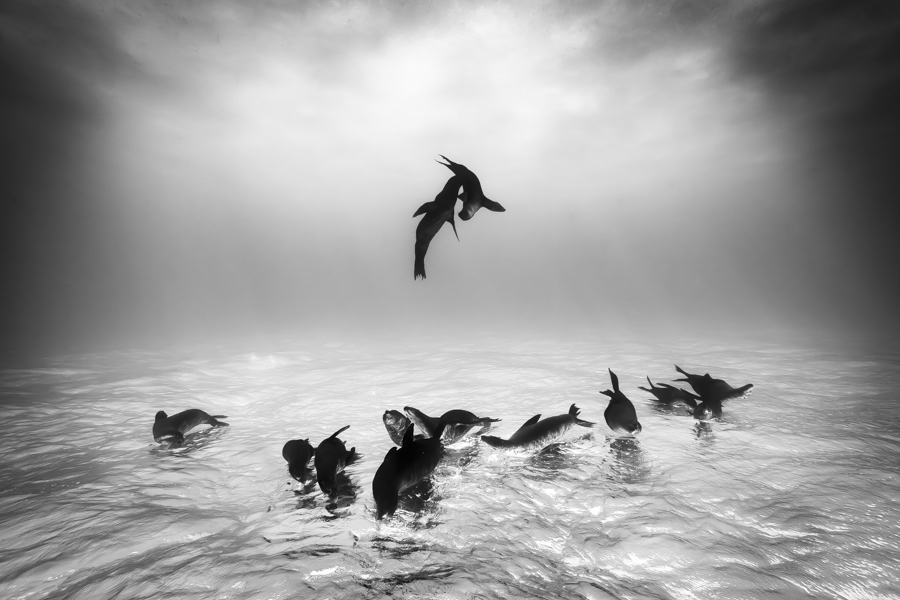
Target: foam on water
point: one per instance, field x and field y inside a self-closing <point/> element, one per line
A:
<point x="795" y="493"/>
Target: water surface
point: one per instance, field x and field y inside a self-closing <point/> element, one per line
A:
<point x="793" y="494"/>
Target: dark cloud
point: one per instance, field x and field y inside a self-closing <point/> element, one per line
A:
<point x="832" y="69"/>
<point x="55" y="61"/>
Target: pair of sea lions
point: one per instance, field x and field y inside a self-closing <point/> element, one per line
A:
<point x="457" y="422"/>
<point x="330" y="459"/>
<point x="418" y="454"/>
<point x="414" y="460"/>
<point x="711" y="392"/>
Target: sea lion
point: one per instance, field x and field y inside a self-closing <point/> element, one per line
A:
<point x="405" y="466"/>
<point x="620" y="414"/>
<point x="708" y="409"/>
<point x="174" y="427"/>
<point x="535" y="433"/>
<point x="298" y="453"/>
<point x="436" y="213"/>
<point x="459" y="423"/>
<point x="710" y="388"/>
<point x="473" y="197"/>
<point x="396" y="423"/>
<point x="668" y="394"/>
<point x="330" y="459"/>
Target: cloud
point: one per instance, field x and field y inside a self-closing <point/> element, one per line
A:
<point x="220" y="165"/>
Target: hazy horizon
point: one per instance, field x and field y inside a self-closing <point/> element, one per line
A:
<point x="215" y="170"/>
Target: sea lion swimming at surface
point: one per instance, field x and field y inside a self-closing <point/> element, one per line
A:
<point x="405" y="466"/>
<point x="298" y="453"/>
<point x="396" y="423"/>
<point x="459" y="423"/>
<point x="668" y="394"/>
<point x="708" y="409"/>
<point x="535" y="433"/>
<point x="473" y="197"/>
<point x="620" y="414"/>
<point x="331" y="458"/>
<point x="174" y="427"/>
<point x="710" y="388"/>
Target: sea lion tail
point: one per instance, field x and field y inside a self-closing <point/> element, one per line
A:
<point x="215" y="423"/>
<point x="574" y="411"/>
<point x="419" y="267"/>
<point x="680" y="370"/>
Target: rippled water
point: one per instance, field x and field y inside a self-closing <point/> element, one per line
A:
<point x="794" y="493"/>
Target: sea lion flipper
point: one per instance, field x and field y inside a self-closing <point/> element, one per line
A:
<point x="335" y="434"/>
<point x="491" y="205"/>
<point x="428" y="206"/>
<point x="409" y="436"/>
<point x="531" y="421"/>
<point x="493" y="441"/>
<point x="574" y="410"/>
<point x="486" y="420"/>
<point x="615" y="380"/>
<point x="352" y="456"/>
<point x="214" y="420"/>
<point x="453" y="224"/>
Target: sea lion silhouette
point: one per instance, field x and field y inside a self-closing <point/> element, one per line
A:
<point x="620" y="414"/>
<point x="174" y="427"/>
<point x="535" y="433"/>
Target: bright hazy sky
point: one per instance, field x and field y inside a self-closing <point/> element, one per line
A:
<point x="207" y="169"/>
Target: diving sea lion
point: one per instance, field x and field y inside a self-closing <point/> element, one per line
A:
<point x="535" y="433"/>
<point x="473" y="197"/>
<point x="174" y="427"/>
<point x="331" y="458"/>
<point x="437" y="213"/>
<point x="459" y="423"/>
<point x="668" y="394"/>
<point x="620" y="414"/>
<point x="298" y="453"/>
<point x="405" y="466"/>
